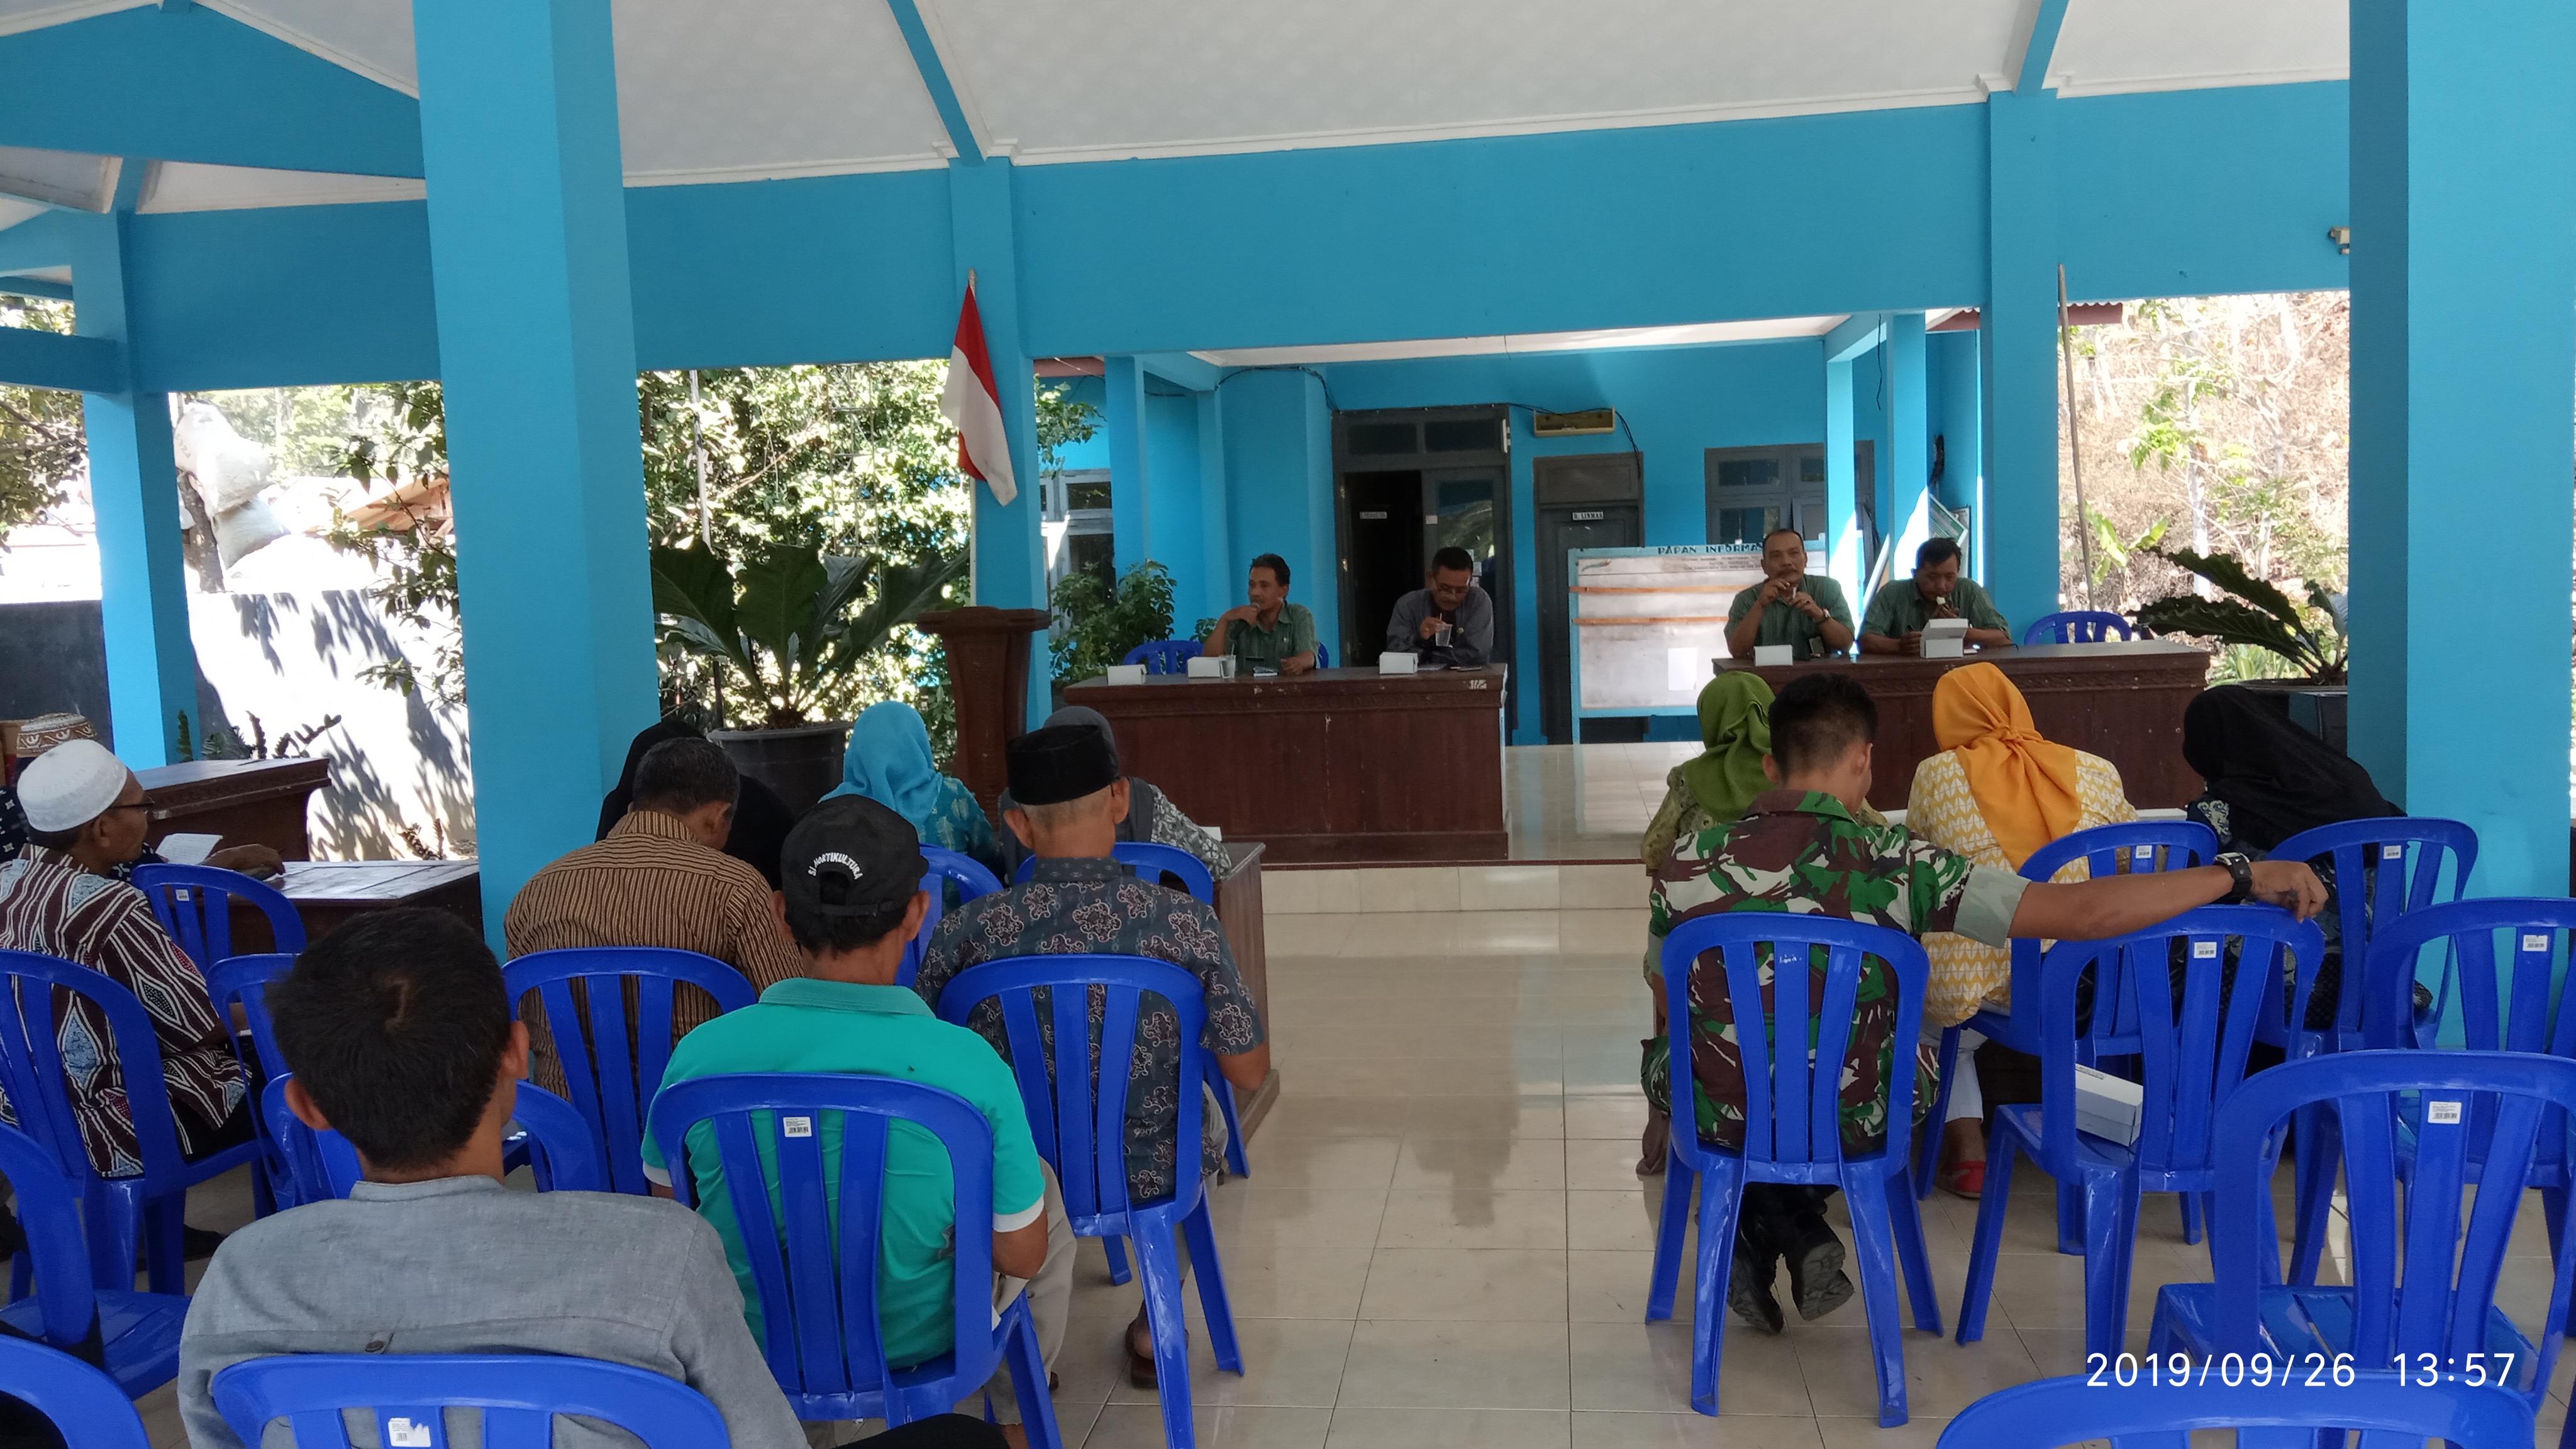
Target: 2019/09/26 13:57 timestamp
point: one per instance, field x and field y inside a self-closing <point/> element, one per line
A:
<point x="2312" y="1370"/>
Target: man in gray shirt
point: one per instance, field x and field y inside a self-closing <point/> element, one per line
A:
<point x="400" y="1037"/>
<point x="1449" y="622"/>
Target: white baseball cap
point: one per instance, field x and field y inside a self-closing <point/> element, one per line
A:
<point x="70" y="785"/>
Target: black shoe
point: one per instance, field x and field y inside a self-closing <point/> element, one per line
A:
<point x="1816" y="1281"/>
<point x="1749" y="1293"/>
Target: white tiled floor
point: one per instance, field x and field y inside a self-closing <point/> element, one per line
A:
<point x="1584" y="802"/>
<point x="1444" y="1242"/>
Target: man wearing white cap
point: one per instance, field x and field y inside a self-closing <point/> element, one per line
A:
<point x="86" y="814"/>
<point x="43" y="733"/>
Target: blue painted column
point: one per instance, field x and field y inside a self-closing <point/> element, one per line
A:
<point x="1962" y="427"/>
<point x="134" y="486"/>
<point x="2019" y="335"/>
<point x="1131" y="485"/>
<point x="536" y="343"/>
<point x="1220" y="579"/>
<point x="1842" y="491"/>
<point x="1909" y="426"/>
<point x="2463" y="354"/>
<point x="1010" y="549"/>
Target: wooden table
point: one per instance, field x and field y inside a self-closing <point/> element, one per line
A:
<point x="1239" y="907"/>
<point x="1342" y="765"/>
<point x="2122" y="701"/>
<point x="247" y="802"/>
<point x="327" y="893"/>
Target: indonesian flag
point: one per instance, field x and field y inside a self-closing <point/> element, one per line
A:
<point x="971" y="402"/>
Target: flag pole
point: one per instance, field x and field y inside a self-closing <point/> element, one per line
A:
<point x="974" y="530"/>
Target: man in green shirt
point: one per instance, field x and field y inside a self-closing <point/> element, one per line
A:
<point x="1807" y="613"/>
<point x="1269" y="633"/>
<point x="852" y="902"/>
<point x="1901" y="607"/>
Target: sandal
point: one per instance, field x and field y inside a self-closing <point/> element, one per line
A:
<point x="1140" y="1366"/>
<point x="1962" y="1179"/>
<point x="1654" y="1146"/>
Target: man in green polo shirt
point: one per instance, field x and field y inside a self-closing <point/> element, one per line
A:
<point x="1805" y="611"/>
<point x="852" y="902"/>
<point x="1269" y="633"/>
<point x="1901" y="607"/>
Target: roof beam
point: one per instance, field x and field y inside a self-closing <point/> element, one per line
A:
<point x="2034" y="44"/>
<point x="1856" y="334"/>
<point x="196" y="85"/>
<point x="1182" y="369"/>
<point x="934" y="78"/>
<point x="29" y="358"/>
<point x="34" y="287"/>
<point x="50" y="240"/>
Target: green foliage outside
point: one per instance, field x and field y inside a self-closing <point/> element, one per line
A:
<point x="41" y="442"/>
<point x="404" y="443"/>
<point x="783" y="618"/>
<point x="2311" y="639"/>
<point x="1101" y="622"/>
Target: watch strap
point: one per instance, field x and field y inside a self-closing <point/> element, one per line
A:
<point x="2241" y="869"/>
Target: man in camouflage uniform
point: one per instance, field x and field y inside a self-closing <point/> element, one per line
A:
<point x="1800" y="848"/>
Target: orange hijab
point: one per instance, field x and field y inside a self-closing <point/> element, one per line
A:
<point x="2025" y="786"/>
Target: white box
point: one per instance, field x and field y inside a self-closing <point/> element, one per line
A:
<point x="1944" y="638"/>
<point x="1399" y="661"/>
<point x="1767" y="655"/>
<point x="1943" y="648"/>
<point x="1211" y="666"/>
<point x="1126" y="673"/>
<point x="2107" y="1106"/>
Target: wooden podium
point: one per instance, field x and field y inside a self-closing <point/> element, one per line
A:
<point x="247" y="802"/>
<point x="988" y="669"/>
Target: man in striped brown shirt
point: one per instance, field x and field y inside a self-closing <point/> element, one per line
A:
<point x="660" y="878"/>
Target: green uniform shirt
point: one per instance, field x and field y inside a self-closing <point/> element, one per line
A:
<point x="1784" y="625"/>
<point x="806" y="1025"/>
<point x="1254" y="647"/>
<point x="1899" y="609"/>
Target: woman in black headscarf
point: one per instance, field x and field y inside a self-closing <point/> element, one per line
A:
<point x="760" y="818"/>
<point x="1151" y="815"/>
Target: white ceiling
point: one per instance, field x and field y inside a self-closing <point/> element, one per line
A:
<point x="1694" y="334"/>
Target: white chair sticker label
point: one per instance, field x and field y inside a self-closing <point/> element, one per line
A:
<point x="2392" y="852"/>
<point x="2204" y="950"/>
<point x="407" y="1434"/>
<point x="2535" y="943"/>
<point x="797" y="1127"/>
<point x="2442" y="1112"/>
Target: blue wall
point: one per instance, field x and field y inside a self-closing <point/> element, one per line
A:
<point x="1279" y="489"/>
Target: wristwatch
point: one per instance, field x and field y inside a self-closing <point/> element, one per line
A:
<point x="2242" y="869"/>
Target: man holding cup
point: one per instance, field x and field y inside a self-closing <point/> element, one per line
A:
<point x="1805" y="611"/>
<point x="1448" y="623"/>
<point x="1900" y="609"/>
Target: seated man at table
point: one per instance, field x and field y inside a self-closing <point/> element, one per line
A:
<point x="401" y="1040"/>
<point x="1447" y="622"/>
<point x="1790" y="606"/>
<point x="1270" y="633"/>
<point x="660" y="878"/>
<point x="1798" y="848"/>
<point x="259" y="862"/>
<point x="1901" y="607"/>
<point x="852" y="901"/>
<point x="1078" y="899"/>
<point x="86" y="814"/>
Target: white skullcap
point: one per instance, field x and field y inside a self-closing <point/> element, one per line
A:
<point x="70" y="785"/>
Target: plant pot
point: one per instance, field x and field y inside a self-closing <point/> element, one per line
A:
<point x="800" y="764"/>
<point x="2316" y="708"/>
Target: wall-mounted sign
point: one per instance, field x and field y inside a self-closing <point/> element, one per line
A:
<point x="1378" y="514"/>
<point x="1589" y="515"/>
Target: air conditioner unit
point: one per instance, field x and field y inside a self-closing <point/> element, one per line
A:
<point x="1568" y="425"/>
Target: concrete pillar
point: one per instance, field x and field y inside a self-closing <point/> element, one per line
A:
<point x="1909" y="426"/>
<point x="1843" y="556"/>
<point x="536" y="342"/>
<point x="2019" y="336"/>
<point x="2463" y="355"/>
<point x="1131" y="492"/>
<point x="134" y="485"/>
<point x="1219" y="575"/>
<point x="1010" y="549"/>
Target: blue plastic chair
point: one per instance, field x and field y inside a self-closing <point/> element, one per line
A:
<point x="1323" y="656"/>
<point x="144" y="1206"/>
<point x="611" y="1077"/>
<point x="2384" y="868"/>
<point x="2076" y="626"/>
<point x="970" y="875"/>
<point x="2047" y="1413"/>
<point x="323" y="1165"/>
<point x="2422" y="1284"/>
<point x="817" y="1281"/>
<point x="518" y="1396"/>
<point x="1793" y="1125"/>
<point x="138" y="1332"/>
<point x="240" y="983"/>
<point x="2191" y="1054"/>
<point x="1081" y="1129"/>
<point x="195" y="905"/>
<point x="87" y="1407"/>
<point x="2137" y="845"/>
<point x="1164" y="656"/>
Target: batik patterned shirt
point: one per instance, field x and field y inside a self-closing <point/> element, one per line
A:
<point x="1802" y="852"/>
<point x="1098" y="906"/>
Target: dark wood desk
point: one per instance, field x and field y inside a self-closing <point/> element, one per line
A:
<point x="2122" y="701"/>
<point x="1239" y="907"/>
<point x="1342" y="765"/>
<point x="247" y="802"/>
<point x="328" y="893"/>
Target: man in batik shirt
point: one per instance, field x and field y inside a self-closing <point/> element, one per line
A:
<point x="1801" y="849"/>
<point x="1069" y="799"/>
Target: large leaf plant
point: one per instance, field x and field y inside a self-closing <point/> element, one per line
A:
<point x="785" y="617"/>
<point x="2259" y="615"/>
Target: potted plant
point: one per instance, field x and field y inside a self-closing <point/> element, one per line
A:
<point x="2314" y="639"/>
<point x="1098" y="621"/>
<point x="786" y="620"/>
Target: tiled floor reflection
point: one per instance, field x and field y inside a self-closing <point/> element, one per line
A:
<point x="1584" y="802"/>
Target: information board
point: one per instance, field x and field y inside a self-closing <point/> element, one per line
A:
<point x="1650" y="622"/>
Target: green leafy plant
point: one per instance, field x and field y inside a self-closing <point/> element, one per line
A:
<point x="2111" y="552"/>
<point x="784" y="618"/>
<point x="2259" y="615"/>
<point x="42" y="445"/>
<point x="1104" y="621"/>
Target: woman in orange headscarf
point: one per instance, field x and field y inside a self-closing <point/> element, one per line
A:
<point x="1996" y="793"/>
